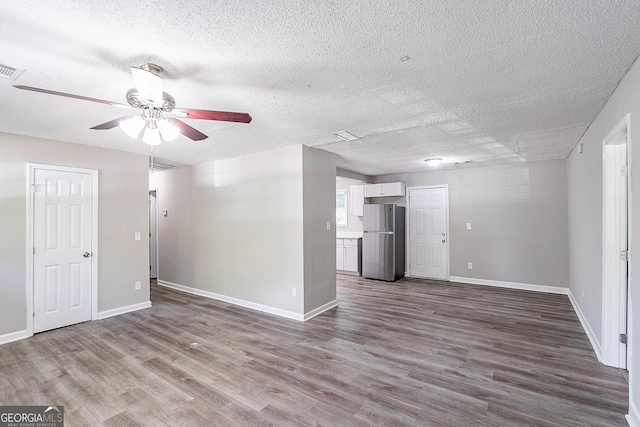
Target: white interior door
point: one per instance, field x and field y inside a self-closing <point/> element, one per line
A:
<point x="428" y="232"/>
<point x="615" y="245"/>
<point x="62" y="234"/>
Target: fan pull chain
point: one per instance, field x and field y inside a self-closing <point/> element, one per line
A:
<point x="152" y="159"/>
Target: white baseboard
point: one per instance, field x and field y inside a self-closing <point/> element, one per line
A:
<point x="633" y="417"/>
<point x="511" y="285"/>
<point x="587" y="328"/>
<point x="236" y="301"/>
<point x="13" y="336"/>
<point x="123" y="310"/>
<point x="313" y="313"/>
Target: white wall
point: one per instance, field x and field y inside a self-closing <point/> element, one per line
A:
<point x="236" y="228"/>
<point x="123" y="210"/>
<point x="584" y="177"/>
<point x="518" y="215"/>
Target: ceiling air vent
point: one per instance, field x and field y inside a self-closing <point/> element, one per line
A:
<point x="9" y="73"/>
<point x="160" y="165"/>
<point x="346" y="136"/>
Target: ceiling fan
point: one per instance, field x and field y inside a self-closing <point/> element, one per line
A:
<point x="156" y="119"/>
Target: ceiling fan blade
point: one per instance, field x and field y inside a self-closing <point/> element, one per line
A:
<point x="110" y="124"/>
<point x="69" y="95"/>
<point x="223" y="116"/>
<point x="188" y="131"/>
<point x="149" y="85"/>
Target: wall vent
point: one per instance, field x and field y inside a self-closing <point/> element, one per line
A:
<point x="10" y="73"/>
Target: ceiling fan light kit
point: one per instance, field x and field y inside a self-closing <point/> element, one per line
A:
<point x="156" y="120"/>
<point x="132" y="126"/>
<point x="151" y="136"/>
<point x="433" y="162"/>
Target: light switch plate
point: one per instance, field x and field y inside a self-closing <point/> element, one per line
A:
<point x="137" y="235"/>
<point x="468" y="226"/>
<point x="138" y="286"/>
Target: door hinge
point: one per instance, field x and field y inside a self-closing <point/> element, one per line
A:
<point x="625" y="171"/>
<point x="34" y="250"/>
<point x="624" y="256"/>
<point x="34" y="188"/>
<point x="623" y="338"/>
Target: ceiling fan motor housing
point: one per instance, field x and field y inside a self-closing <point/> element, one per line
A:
<point x="168" y="103"/>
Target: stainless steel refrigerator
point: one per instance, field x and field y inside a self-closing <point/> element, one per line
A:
<point x="383" y="246"/>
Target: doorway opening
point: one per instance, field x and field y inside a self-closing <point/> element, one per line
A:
<point x="616" y="196"/>
<point x="153" y="235"/>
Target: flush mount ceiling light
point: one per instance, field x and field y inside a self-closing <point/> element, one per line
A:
<point x="433" y="162"/>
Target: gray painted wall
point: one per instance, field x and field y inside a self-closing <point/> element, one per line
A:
<point x="518" y="216"/>
<point x="237" y="227"/>
<point x="584" y="176"/>
<point x="123" y="210"/>
<point x="319" y="170"/>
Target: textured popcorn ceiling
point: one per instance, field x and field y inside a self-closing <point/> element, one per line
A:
<point x="490" y="81"/>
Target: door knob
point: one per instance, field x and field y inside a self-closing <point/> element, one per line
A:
<point x="86" y="254"/>
<point x="443" y="240"/>
<point x="442" y="234"/>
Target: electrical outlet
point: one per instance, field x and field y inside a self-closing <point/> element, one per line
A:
<point x="470" y="265"/>
<point x="293" y="292"/>
<point x="138" y="286"/>
<point x="328" y="225"/>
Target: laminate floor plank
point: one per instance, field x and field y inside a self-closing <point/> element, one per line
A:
<point x="410" y="353"/>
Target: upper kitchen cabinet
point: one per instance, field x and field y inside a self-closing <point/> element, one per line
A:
<point x="387" y="189"/>
<point x="356" y="206"/>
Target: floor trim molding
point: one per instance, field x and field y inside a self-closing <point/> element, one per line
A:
<point x="511" y="285"/>
<point x="316" y="311"/>
<point x="633" y="417"/>
<point x="13" y="336"/>
<point x="122" y="310"/>
<point x="236" y="301"/>
<point x="587" y="328"/>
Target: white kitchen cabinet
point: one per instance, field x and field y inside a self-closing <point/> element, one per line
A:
<point x="356" y="204"/>
<point x="347" y="255"/>
<point x="387" y="189"/>
<point x="351" y="255"/>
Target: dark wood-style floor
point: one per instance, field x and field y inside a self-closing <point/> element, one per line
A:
<point x="415" y="353"/>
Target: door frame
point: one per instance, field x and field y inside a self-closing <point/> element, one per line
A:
<point x="155" y="230"/>
<point x="615" y="301"/>
<point x="408" y="222"/>
<point x="31" y="169"/>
